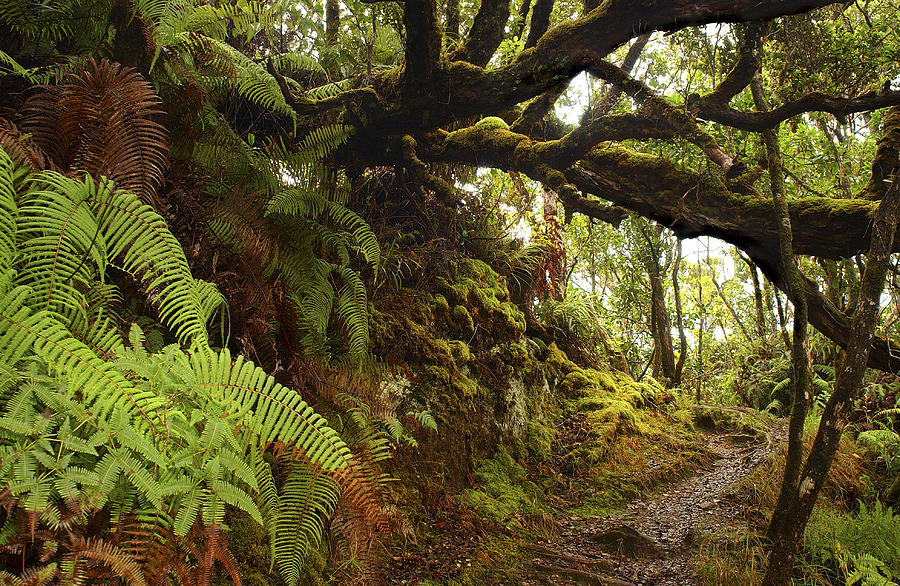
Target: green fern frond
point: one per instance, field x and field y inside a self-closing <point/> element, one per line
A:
<point x="307" y="499"/>
<point x="251" y="80"/>
<point x="296" y="62"/>
<point x="141" y="239"/>
<point x="9" y="210"/>
<point x="269" y="411"/>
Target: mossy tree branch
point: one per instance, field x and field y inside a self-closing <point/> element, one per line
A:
<point x="488" y="30"/>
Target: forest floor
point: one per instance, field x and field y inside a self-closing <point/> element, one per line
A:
<point x="654" y="539"/>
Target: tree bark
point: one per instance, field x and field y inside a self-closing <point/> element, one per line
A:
<point x="679" y="319"/>
<point x="758" y="298"/>
<point x="787" y="541"/>
<point x="800" y="368"/>
<point x="540" y="21"/>
<point x="332" y="21"/>
<point x="661" y="325"/>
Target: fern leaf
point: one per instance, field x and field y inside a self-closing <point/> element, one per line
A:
<point x="8" y="211"/>
<point x="149" y="251"/>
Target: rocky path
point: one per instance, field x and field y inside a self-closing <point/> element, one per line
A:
<point x="654" y="540"/>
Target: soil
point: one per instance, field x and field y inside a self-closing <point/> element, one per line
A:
<point x="654" y="539"/>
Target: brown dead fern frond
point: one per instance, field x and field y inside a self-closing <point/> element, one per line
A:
<point x="22" y="147"/>
<point x="99" y="120"/>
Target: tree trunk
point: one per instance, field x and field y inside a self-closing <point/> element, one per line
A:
<point x="786" y="542"/>
<point x="780" y="526"/>
<point x="451" y="22"/>
<point x="758" y="297"/>
<point x="700" y="331"/>
<point x="679" y="318"/>
<point x="332" y="21"/>
<point x="661" y="326"/>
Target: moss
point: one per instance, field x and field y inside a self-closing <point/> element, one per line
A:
<point x="491" y="122"/>
<point x="438" y="375"/>
<point x="503" y="493"/>
<point x="460" y="352"/>
<point x="499" y="559"/>
<point x="439" y="305"/>
<point x="539" y="439"/>
<point x="606" y="381"/>
<point x="461" y="321"/>
<point x="463" y="385"/>
<point x="249" y="542"/>
<point x="558" y="363"/>
<point x="473" y="288"/>
<point x="725" y="419"/>
<point x="575" y="383"/>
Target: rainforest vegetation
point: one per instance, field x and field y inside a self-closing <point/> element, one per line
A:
<point x="461" y="292"/>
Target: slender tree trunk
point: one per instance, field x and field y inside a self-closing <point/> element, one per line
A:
<point x="782" y="321"/>
<point x="451" y="23"/>
<point x="780" y="526"/>
<point x="679" y="318"/>
<point x="758" y="298"/>
<point x="700" y="331"/>
<point x="846" y="386"/>
<point x="555" y="234"/>
<point x="661" y="325"/>
<point x="332" y="21"/>
<point x="728" y="305"/>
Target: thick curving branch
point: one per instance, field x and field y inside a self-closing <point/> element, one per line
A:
<point x="743" y="71"/>
<point x="488" y="30"/>
<point x="689" y="203"/>
<point x="666" y="114"/>
<point x="540" y="21"/>
<point x="812" y="102"/>
<point x="423" y="41"/>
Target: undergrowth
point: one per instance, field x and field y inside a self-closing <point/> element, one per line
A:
<point x="851" y="537"/>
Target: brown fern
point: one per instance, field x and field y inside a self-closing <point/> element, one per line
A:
<point x="99" y="120"/>
<point x="22" y="147"/>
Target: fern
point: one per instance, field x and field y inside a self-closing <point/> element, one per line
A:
<point x="100" y="121"/>
<point x="176" y="435"/>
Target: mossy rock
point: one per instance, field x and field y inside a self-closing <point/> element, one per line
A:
<point x="482" y="293"/>
<point x="558" y="364"/>
<point x="503" y="493"/>
<point x="492" y="122"/>
<point x="460" y="321"/>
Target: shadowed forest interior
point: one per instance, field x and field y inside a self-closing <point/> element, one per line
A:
<point x="470" y="292"/>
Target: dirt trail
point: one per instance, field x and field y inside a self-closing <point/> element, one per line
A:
<point x="653" y="540"/>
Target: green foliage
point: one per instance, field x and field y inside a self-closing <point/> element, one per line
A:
<point x="865" y="547"/>
<point x="175" y="435"/>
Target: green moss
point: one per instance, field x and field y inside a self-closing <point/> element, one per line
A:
<point x="461" y="320"/>
<point x="606" y="381"/>
<point x="491" y="122"/>
<point x="249" y="542"/>
<point x="463" y="386"/>
<point x="460" y="352"/>
<point x="503" y="493"/>
<point x="539" y="439"/>
<point x="439" y="305"/>
<point x="557" y="362"/>
<point x="438" y="375"/>
<point x="499" y="559"/>
<point x="574" y="381"/>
